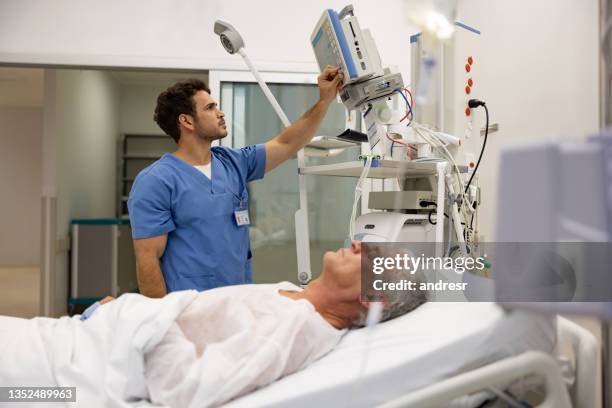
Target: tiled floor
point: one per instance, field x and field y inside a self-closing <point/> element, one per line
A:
<point x="19" y="291"/>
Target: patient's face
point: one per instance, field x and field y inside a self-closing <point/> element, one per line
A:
<point x="345" y="263"/>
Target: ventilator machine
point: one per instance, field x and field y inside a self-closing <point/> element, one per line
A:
<point x="421" y="147"/>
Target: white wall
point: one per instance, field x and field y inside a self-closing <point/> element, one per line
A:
<point x="82" y="120"/>
<point x="538" y="73"/>
<point x="179" y="34"/>
<point x="137" y="108"/>
<point x="138" y="97"/>
<point x="20" y="184"/>
<point x="87" y="115"/>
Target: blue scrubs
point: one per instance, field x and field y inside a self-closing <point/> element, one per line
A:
<point x="206" y="247"/>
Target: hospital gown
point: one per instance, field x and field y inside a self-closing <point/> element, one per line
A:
<point x="230" y="341"/>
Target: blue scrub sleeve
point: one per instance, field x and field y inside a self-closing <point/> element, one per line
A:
<point x="254" y="158"/>
<point x="150" y="207"/>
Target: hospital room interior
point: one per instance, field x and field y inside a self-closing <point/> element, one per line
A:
<point x="232" y="203"/>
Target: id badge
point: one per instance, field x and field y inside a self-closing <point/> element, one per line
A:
<point x="241" y="214"/>
<point x="242" y="217"/>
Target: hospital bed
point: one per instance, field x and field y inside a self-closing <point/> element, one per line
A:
<point x="437" y="353"/>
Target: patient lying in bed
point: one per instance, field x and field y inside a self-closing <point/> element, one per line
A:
<point x="230" y="341"/>
<point x="189" y="348"/>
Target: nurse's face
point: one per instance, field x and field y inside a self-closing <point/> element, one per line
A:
<point x="345" y="265"/>
<point x="209" y="121"/>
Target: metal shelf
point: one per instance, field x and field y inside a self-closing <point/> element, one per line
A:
<point x="385" y="169"/>
<point x="134" y="153"/>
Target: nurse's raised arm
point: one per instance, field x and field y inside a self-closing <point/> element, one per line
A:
<point x="287" y="143"/>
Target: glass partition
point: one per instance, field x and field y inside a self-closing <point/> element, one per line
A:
<point x="275" y="199"/>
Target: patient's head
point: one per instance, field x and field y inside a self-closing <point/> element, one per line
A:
<point x="398" y="302"/>
<point x="341" y="275"/>
<point x="343" y="268"/>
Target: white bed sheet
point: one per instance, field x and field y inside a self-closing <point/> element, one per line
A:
<point x="434" y="342"/>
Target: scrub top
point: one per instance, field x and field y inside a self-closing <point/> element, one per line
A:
<point x="206" y="247"/>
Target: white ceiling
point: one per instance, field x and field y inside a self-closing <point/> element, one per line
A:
<point x="23" y="87"/>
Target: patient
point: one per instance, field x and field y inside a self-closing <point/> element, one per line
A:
<point x="192" y="349"/>
<point x="232" y="340"/>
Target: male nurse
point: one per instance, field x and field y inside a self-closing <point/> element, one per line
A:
<point x="189" y="210"/>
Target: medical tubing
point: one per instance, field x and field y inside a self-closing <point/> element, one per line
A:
<point x="373" y="317"/>
<point x="374" y="314"/>
<point x="434" y="141"/>
<point x="432" y="138"/>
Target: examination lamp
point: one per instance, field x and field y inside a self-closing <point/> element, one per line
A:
<point x="230" y="38"/>
<point x="233" y="43"/>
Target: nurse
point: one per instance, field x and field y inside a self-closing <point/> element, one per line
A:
<point x="189" y="209"/>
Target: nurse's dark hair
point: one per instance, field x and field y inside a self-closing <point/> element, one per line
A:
<point x="174" y="101"/>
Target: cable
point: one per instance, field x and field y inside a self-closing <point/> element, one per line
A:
<point x="408" y="104"/>
<point x="432" y="139"/>
<point x="431" y="213"/>
<point x="411" y="112"/>
<point x="474" y="103"/>
<point x="406" y="145"/>
<point x="436" y="143"/>
<point x="424" y="203"/>
<point x="411" y="98"/>
<point x="429" y="218"/>
<point x="392" y="143"/>
<point x="409" y="107"/>
<point x="400" y="142"/>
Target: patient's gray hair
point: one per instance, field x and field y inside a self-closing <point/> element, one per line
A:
<point x="399" y="302"/>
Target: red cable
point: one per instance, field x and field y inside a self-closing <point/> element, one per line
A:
<point x="410" y="147"/>
<point x="411" y="99"/>
<point x="397" y="141"/>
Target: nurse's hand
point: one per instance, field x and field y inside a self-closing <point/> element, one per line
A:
<point x="330" y="82"/>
